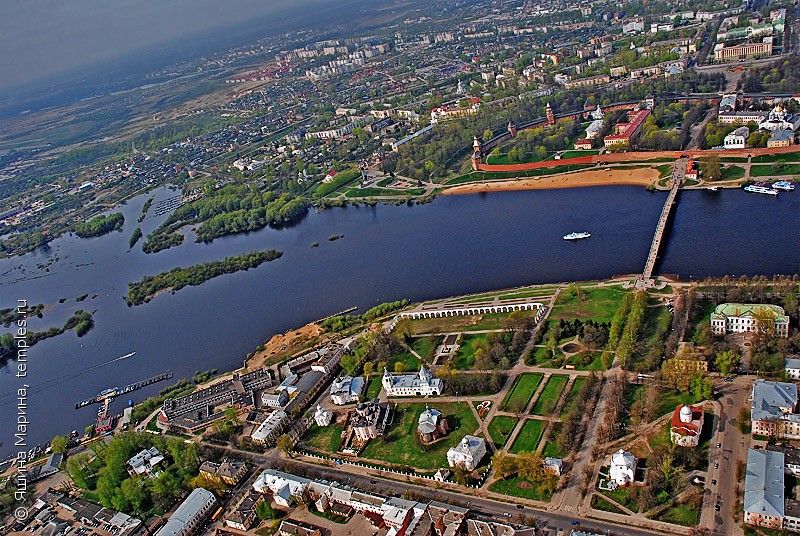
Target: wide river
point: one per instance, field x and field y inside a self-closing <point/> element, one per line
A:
<point x="455" y="245"/>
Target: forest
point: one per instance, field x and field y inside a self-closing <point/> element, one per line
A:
<point x="177" y="278"/>
<point x="231" y="209"/>
<point x="100" y="225"/>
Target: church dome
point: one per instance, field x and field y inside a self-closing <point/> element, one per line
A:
<point x="686" y="414"/>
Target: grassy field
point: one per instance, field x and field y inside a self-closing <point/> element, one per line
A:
<point x="577" y="154"/>
<point x="572" y="397"/>
<point x="548" y="399"/>
<point x="686" y="514"/>
<point x="598" y="304"/>
<point x="781" y="157"/>
<point x="519" y="487"/>
<point x="477" y="176"/>
<point x="774" y="169"/>
<point x="587" y="361"/>
<point x="324" y="438"/>
<point x="551" y="449"/>
<point x="732" y="173"/>
<point x="465" y="357"/>
<point x="522" y="390"/>
<point x="598" y="503"/>
<point x="519" y="292"/>
<point x="529" y="436"/>
<point x="462" y="323"/>
<point x="668" y="400"/>
<point x="375" y="192"/>
<point x="623" y="497"/>
<point x="401" y="446"/>
<point x="374" y="386"/>
<point x="500" y="429"/>
<point x="426" y="346"/>
<point x="409" y="360"/>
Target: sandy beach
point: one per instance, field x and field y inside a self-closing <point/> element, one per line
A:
<point x="595" y="177"/>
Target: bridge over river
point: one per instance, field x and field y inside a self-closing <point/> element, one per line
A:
<point x="678" y="176"/>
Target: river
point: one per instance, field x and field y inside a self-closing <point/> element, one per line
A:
<point x="454" y="245"/>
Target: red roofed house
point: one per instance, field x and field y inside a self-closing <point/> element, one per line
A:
<point x="686" y="425"/>
<point x="624" y="133"/>
<point x="583" y="145"/>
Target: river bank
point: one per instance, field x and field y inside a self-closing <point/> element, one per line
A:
<point x="579" y="179"/>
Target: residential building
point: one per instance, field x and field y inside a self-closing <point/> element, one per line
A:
<point x="792" y="369"/>
<point x="290" y="527"/>
<point x="275" y="400"/>
<point x="773" y="409"/>
<point x="594" y="128"/>
<point x="749" y="317"/>
<point x="623" y="468"/>
<point x="764" y="489"/>
<point x="737" y="139"/>
<point x="781" y="138"/>
<point x="686" y="425"/>
<point x="244" y="514"/>
<point x="346" y="389"/>
<point x="468" y="453"/>
<point x="285" y="487"/>
<point x="190" y="514"/>
<point x="421" y="384"/>
<point x="728" y="102"/>
<point x="145" y="462"/>
<point x="49" y="467"/>
<point x="230" y="472"/>
<point x="743" y="117"/>
<point x="625" y="133"/>
<point x="583" y="145"/>
<point x="269" y="430"/>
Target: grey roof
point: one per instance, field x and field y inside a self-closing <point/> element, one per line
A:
<point x="763" y="485"/>
<point x="770" y="397"/>
<point x="188" y="509"/>
<point x="782" y="135"/>
<point x="792" y="364"/>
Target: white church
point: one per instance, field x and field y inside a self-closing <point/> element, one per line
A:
<point x="421" y="384"/>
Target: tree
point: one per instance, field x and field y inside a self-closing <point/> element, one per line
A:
<point x="265" y="511"/>
<point x="531" y="467"/>
<point x="404" y="328"/>
<point x="503" y="464"/>
<point x="369" y="367"/>
<point x="727" y="361"/>
<point x="285" y="444"/>
<point x="701" y="387"/>
<point x="58" y="444"/>
<point x="349" y="363"/>
<point x="487" y="135"/>
<point x="399" y="367"/>
<point x="710" y="168"/>
<point x="77" y="469"/>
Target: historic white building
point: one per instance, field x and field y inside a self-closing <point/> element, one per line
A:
<point x="468" y="453"/>
<point x="323" y="416"/>
<point x="346" y="389"/>
<point x="422" y="384"/>
<point x="737" y="139"/>
<point x="745" y="317"/>
<point x="780" y="119"/>
<point x="623" y="467"/>
<point x="686" y="425"/>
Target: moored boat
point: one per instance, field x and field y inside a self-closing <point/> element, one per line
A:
<point x="786" y="186"/>
<point x="576" y="236"/>
<point x="760" y="190"/>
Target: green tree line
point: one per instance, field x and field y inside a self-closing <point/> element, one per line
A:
<point x="100" y="225"/>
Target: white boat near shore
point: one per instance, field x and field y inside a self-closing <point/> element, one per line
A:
<point x="760" y="190"/>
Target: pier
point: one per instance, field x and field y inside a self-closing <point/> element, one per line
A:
<point x="116" y="391"/>
<point x="655" y="246"/>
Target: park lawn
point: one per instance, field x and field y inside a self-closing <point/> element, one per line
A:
<point x="780" y="157"/>
<point x="660" y="438"/>
<point x="374" y="387"/>
<point x="474" y="298"/>
<point x="529" y="436"/>
<point x="465" y="356"/>
<point x="774" y="169"/>
<point x="577" y="154"/>
<point x="375" y="192"/>
<point x="426" y="346"/>
<point x="519" y="487"/>
<point x="599" y="503"/>
<point x="596" y="362"/>
<point x="409" y="360"/>
<point x="500" y="429"/>
<point x="452" y="324"/>
<point x="324" y="438"/>
<point x="665" y="171"/>
<point x="572" y="397"/>
<point x="548" y="399"/>
<point x="732" y="173"/>
<point x="668" y="400"/>
<point x="401" y="447"/>
<point x="623" y="497"/>
<point x="551" y="449"/>
<point x="686" y="514"/>
<point x="502" y="159"/>
<point x="735" y="159"/>
<point x="522" y="391"/>
<point x="656" y="326"/>
<point x="598" y="304"/>
<point x="535" y="293"/>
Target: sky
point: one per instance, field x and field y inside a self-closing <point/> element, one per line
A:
<point x="43" y="37"/>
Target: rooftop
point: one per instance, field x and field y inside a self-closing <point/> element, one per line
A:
<point x="763" y="485"/>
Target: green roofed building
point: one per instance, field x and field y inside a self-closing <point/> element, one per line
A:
<point x="749" y="317"/>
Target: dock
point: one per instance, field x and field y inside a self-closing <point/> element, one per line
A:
<point x="116" y="391"/>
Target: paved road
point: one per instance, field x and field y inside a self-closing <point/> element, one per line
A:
<point x="732" y="450"/>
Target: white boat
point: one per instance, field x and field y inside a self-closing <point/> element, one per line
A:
<point x="760" y="190"/>
<point x="712" y="188"/>
<point x="576" y="236"/>
<point x="786" y="186"/>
